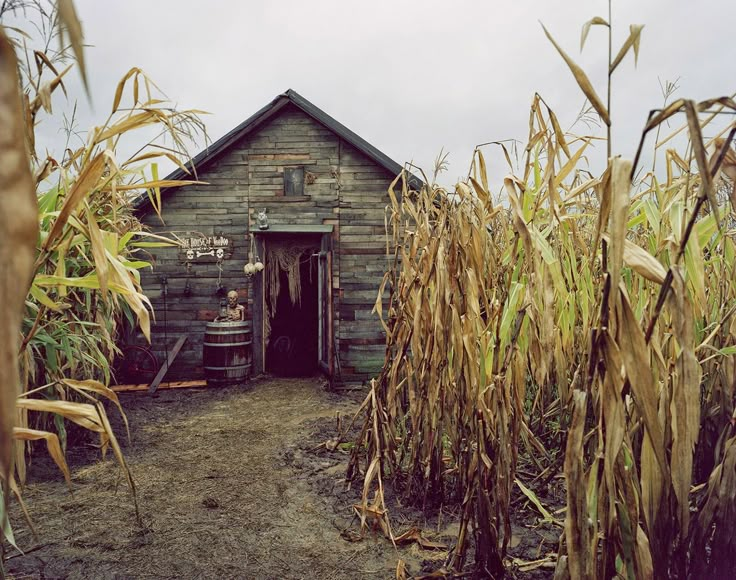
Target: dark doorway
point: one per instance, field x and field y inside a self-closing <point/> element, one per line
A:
<point x="292" y="347"/>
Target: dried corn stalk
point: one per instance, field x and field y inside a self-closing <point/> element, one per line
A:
<point x="18" y="234"/>
<point x="499" y="318"/>
<point x="82" y="268"/>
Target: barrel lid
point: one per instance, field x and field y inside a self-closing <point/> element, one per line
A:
<point x="229" y="323"/>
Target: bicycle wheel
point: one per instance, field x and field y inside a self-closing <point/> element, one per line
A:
<point x="138" y="365"/>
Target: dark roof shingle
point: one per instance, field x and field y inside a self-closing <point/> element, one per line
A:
<point x="268" y="112"/>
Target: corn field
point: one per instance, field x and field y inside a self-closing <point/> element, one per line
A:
<point x="583" y="324"/>
<point x="72" y="248"/>
<point x="596" y="303"/>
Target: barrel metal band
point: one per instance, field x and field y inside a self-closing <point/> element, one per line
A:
<point x="228" y="368"/>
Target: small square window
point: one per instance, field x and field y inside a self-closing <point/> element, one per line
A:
<point x="294" y="181"/>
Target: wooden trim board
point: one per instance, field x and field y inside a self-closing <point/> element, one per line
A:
<point x="172" y="385"/>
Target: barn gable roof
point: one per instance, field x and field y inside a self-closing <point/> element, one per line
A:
<point x="264" y="115"/>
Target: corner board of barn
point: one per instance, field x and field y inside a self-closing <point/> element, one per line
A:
<point x="291" y="216"/>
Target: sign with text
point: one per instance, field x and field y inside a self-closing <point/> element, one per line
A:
<point x="199" y="248"/>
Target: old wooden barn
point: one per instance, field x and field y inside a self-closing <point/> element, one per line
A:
<point x="324" y="192"/>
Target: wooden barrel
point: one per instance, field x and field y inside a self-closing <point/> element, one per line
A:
<point x="227" y="352"/>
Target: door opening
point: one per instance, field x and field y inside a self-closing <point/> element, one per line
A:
<point x="293" y="314"/>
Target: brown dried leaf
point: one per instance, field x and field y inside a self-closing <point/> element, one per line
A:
<point x="635" y="354"/>
<point x="570" y="165"/>
<point x="699" y="152"/>
<point x="43" y="97"/>
<point x="100" y="389"/>
<point x="604" y="211"/>
<point x="98" y="250"/>
<point x="685" y="404"/>
<point x="582" y="80"/>
<point x="632" y="40"/>
<point x="414" y="534"/>
<point x="642" y="262"/>
<point x="121" y="87"/>
<point x="549" y="562"/>
<point x="518" y="217"/>
<point x="670" y="110"/>
<point x="718" y="510"/>
<point x="71" y="26"/>
<point x="596" y="20"/>
<point x="483" y="172"/>
<point x="401" y="570"/>
<point x="83" y="414"/>
<point x="728" y="166"/>
<point x="643" y="556"/>
<point x="652" y="483"/>
<point x="581" y="563"/>
<point x="52" y="443"/>
<point x="620" y="186"/>
<point x="613" y="414"/>
<point x="86" y="182"/>
<point x="160" y="183"/>
<point x="559" y="134"/>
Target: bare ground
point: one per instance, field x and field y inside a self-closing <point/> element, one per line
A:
<point x="230" y="484"/>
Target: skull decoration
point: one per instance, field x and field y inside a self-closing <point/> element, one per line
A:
<point x="262" y="219"/>
<point x="232" y="299"/>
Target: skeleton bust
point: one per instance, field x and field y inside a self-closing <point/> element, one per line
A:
<point x="234" y="311"/>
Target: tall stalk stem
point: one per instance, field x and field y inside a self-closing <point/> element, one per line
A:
<point x="610" y="60"/>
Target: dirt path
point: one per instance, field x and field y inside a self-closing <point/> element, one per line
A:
<point x="224" y="492"/>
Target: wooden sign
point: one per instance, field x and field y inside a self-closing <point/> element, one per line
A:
<point x="198" y="248"/>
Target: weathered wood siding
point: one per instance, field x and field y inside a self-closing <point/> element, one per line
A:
<point x="362" y="251"/>
<point x="343" y="188"/>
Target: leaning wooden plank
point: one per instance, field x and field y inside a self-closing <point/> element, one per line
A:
<point x="170" y="385"/>
<point x="170" y="359"/>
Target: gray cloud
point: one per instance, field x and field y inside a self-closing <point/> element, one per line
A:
<point x="411" y="77"/>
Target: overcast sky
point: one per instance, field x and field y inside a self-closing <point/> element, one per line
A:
<point x="411" y="77"/>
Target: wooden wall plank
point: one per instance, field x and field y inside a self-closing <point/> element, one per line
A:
<point x="343" y="188"/>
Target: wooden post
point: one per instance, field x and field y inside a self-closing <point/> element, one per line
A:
<point x="259" y="304"/>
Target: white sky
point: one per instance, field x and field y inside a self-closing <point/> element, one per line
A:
<point x="411" y="77"/>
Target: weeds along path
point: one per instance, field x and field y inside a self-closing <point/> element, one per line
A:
<point x="218" y="493"/>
